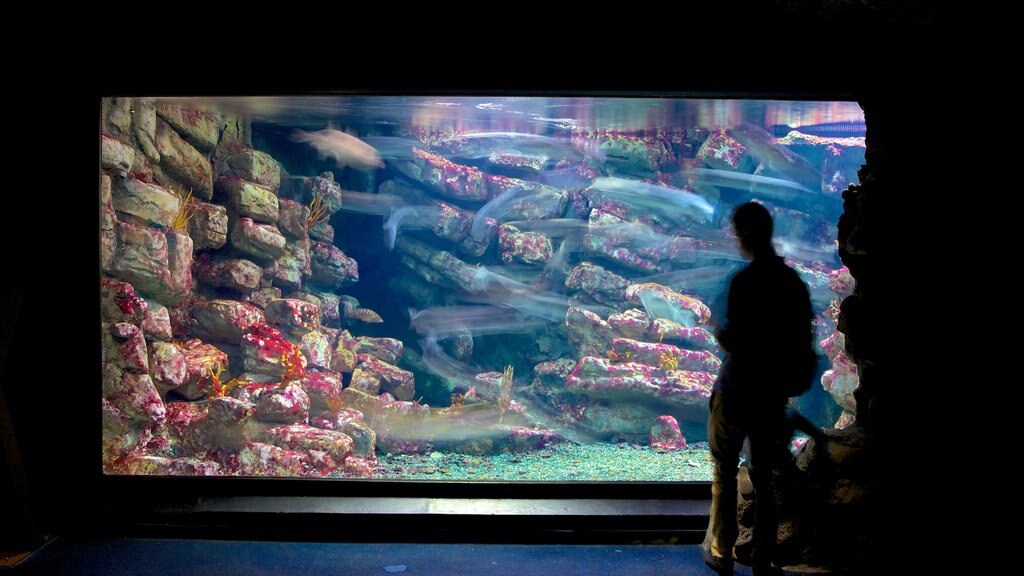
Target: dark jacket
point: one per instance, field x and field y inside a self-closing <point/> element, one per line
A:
<point x="768" y="332"/>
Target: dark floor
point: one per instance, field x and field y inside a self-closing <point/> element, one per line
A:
<point x="130" y="556"/>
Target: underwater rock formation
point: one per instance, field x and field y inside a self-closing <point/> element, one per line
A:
<point x="262" y="241"/>
<point x="225" y="320"/>
<point x="252" y="165"/>
<point x="600" y="378"/>
<point x="115" y="154"/>
<point x="554" y="242"/>
<point x="525" y="247"/>
<point x="665" y="435"/>
<point x="208" y="227"/>
<point x="249" y="200"/>
<point x="198" y="127"/>
<point x="237" y="274"/>
<point x="147" y="203"/>
<point x="331" y="267"/>
<point x="183" y="162"/>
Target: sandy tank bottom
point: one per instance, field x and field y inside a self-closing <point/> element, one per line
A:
<point x="621" y="462"/>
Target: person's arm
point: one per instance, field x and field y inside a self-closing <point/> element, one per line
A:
<point x="730" y="334"/>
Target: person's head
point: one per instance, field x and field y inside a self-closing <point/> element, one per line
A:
<point x="753" y="225"/>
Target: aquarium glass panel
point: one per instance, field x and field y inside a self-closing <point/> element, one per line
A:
<point x="447" y="288"/>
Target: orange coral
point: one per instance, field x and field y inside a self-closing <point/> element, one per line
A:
<point x="505" y="391"/>
<point x="318" y="211"/>
<point x="186" y="211"/>
<point x="293" y="366"/>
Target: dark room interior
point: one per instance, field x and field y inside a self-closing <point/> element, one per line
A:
<point x="864" y="500"/>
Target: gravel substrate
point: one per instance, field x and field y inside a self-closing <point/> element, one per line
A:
<point x="560" y="462"/>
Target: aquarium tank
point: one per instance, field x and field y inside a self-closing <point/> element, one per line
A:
<point x="447" y="288"/>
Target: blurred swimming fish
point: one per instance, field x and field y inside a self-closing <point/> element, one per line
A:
<point x="441" y="364"/>
<point x="805" y="251"/>
<point x="554" y="228"/>
<point x="419" y="217"/>
<point x="346" y="149"/>
<point x="444" y="321"/>
<point x="772" y="188"/>
<point x="557" y="267"/>
<point x="366" y="315"/>
<point x="496" y="209"/>
<point x="659" y="307"/>
<point x="483" y="144"/>
<point x="662" y="199"/>
<point x="491" y="288"/>
<point x="573" y="178"/>
<point x="776" y="160"/>
<point x="369" y="203"/>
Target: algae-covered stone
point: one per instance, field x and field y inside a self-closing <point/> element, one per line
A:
<point x="115" y="154"/>
<point x="262" y="241"/>
<point x="144" y="122"/>
<point x="156" y="324"/>
<point x="226" y="320"/>
<point x="236" y="274"/>
<point x="331" y="267"/>
<point x="198" y="127"/>
<point x="252" y="165"/>
<point x="665" y="435"/>
<point x="293" y="316"/>
<point x="288" y="405"/>
<point x="249" y="200"/>
<point x="148" y="203"/>
<point x="182" y="161"/>
<point x="208" y="227"/>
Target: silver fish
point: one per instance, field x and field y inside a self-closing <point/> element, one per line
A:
<point x="346" y="149"/>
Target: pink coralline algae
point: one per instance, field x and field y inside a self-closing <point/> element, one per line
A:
<point x="323" y="389"/>
<point x="227" y="410"/>
<point x="841" y="381"/>
<point x="316" y="349"/>
<point x="293" y="315"/>
<point x="225" y="320"/>
<point x="267" y="351"/>
<point x="336" y="420"/>
<point x="133" y="394"/>
<point x="364" y="381"/>
<point x="258" y="459"/>
<point x="600" y="378"/>
<point x="592" y="279"/>
<point x="665" y="435"/>
<point x="445" y="177"/>
<point x="331" y="267"/>
<point x="389" y="350"/>
<point x="167" y="365"/>
<point x="525" y="247"/>
<point x="589" y="335"/>
<point x="722" y="152"/>
<point x="287" y="405"/>
<point x="664" y="355"/>
<point x="393" y="379"/>
<point x="307" y="440"/>
<point x="118" y="302"/>
<point x="181" y="419"/>
<point x="161" y="466"/>
<point x="596" y="245"/>
<point x="127" y="348"/>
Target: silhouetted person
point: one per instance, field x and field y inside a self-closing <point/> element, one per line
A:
<point x="767" y="334"/>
